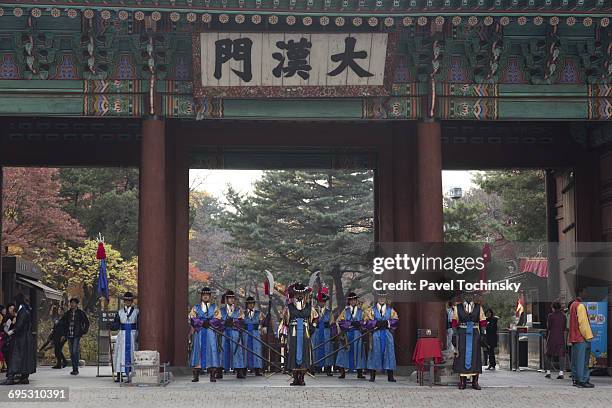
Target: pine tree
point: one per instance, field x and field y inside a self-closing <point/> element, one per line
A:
<point x="297" y="222"/>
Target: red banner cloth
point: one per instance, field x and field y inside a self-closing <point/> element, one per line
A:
<point x="426" y="347"/>
<point x="537" y="266"/>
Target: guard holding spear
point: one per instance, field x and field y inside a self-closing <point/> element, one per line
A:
<point x="204" y="347"/>
<point x="232" y="355"/>
<point x="322" y="333"/>
<point x="253" y="324"/>
<point x="298" y="317"/>
<point x="352" y="356"/>
<point x="383" y="319"/>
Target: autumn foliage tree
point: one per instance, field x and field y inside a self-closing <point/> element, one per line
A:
<point x="34" y="220"/>
<point x="75" y="270"/>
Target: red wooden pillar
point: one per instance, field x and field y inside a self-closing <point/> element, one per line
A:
<point x="404" y="225"/>
<point x="606" y="195"/>
<point x="181" y="254"/>
<point x="154" y="299"/>
<point x="606" y="213"/>
<point x="429" y="216"/>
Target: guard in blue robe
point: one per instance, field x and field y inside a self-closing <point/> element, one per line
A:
<point x="298" y="318"/>
<point x="126" y="325"/>
<point x="469" y="322"/>
<point x="232" y="354"/>
<point x="322" y="331"/>
<point x="382" y="320"/>
<point x="204" y="347"/>
<point x="251" y="337"/>
<point x="352" y="356"/>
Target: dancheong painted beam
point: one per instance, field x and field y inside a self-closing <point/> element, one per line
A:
<point x="445" y="59"/>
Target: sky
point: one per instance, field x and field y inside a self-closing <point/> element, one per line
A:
<point x="215" y="182"/>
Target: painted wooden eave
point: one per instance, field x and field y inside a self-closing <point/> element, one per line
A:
<point x="185" y="9"/>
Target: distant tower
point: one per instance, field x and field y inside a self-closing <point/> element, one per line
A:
<point x="455" y="193"/>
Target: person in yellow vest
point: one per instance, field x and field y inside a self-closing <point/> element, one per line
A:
<point x="580" y="336"/>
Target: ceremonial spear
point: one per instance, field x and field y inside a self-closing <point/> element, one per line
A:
<point x="240" y="329"/>
<point x="220" y="333"/>
<point x="344" y="347"/>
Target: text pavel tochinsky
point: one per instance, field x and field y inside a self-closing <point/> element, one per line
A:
<point x="411" y="265"/>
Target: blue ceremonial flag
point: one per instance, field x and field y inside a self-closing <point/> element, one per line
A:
<point x="102" y="277"/>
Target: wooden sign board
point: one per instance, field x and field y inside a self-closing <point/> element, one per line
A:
<point x="292" y="64"/>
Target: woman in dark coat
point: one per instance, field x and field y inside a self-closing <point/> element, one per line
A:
<point x="491" y="337"/>
<point x="555" y="339"/>
<point x="22" y="347"/>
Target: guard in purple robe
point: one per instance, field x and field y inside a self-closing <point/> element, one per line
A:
<point x="251" y="337"/>
<point x="352" y="356"/>
<point x="382" y="319"/>
<point x="322" y="332"/>
<point x="204" y="317"/>
<point x="232" y="352"/>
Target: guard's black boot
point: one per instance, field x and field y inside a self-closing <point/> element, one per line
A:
<point x="213" y="374"/>
<point x="372" y="375"/>
<point x="302" y="374"/>
<point x="258" y="372"/>
<point x="360" y="374"/>
<point x="196" y="375"/>
<point x="219" y="373"/>
<point x="462" y="382"/>
<point x="241" y="373"/>
<point x="475" y="382"/>
<point x="342" y="373"/>
<point x="118" y="378"/>
<point x="10" y="380"/>
<point x="390" y="377"/>
<point x="328" y="371"/>
<point x="25" y="379"/>
<point x="296" y="378"/>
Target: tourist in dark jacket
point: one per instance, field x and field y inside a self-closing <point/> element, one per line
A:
<point x="556" y="326"/>
<point x="491" y="337"/>
<point x="75" y="325"/>
<point x="57" y="339"/>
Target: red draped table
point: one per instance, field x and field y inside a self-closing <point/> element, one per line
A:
<point x="426" y="348"/>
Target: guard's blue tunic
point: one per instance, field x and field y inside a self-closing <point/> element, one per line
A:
<point x="204" y="348"/>
<point x="321" y="334"/>
<point x="232" y="355"/>
<point x="354" y="358"/>
<point x="382" y="353"/>
<point x="251" y="325"/>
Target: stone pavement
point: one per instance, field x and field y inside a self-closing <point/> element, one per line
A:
<point x="500" y="388"/>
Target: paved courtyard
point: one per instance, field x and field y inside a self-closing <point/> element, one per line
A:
<point x="500" y="388"/>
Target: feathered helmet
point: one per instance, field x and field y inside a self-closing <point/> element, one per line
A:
<point x="323" y="295"/>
